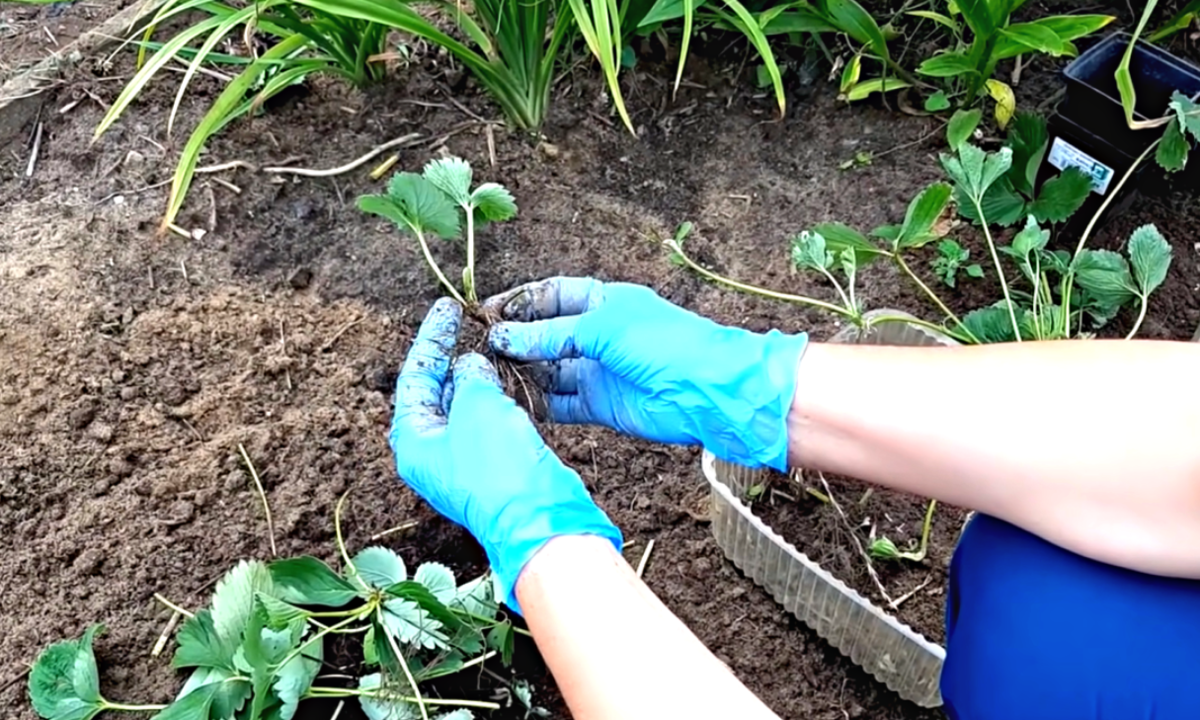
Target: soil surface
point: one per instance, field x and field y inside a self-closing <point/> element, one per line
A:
<point x="833" y="523"/>
<point x="31" y="33"/>
<point x="133" y="364"/>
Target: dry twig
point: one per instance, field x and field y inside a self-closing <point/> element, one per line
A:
<point x="641" y="568"/>
<point x="399" y="528"/>
<point x="37" y="147"/>
<point x="161" y="644"/>
<point x="858" y="545"/>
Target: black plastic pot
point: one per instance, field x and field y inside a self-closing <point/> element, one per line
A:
<point x="1088" y="129"/>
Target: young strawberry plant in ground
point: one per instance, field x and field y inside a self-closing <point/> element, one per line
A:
<point x="1063" y="294"/>
<point x="257" y="650"/>
<point x="440" y="202"/>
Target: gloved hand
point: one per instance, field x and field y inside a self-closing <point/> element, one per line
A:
<point x="619" y="355"/>
<point x="473" y="454"/>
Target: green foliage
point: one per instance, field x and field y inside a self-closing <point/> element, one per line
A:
<point x="510" y="48"/>
<point x="1185" y="18"/>
<point x="1055" y="293"/>
<point x="882" y="548"/>
<point x="983" y="35"/>
<point x="1014" y="195"/>
<point x="441" y="202"/>
<point x="951" y="258"/>
<point x="64" y="683"/>
<point x="255" y="651"/>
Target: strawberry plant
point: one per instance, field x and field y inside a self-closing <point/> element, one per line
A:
<point x="256" y="650"/>
<point x="1061" y="290"/>
<point x="440" y="202"/>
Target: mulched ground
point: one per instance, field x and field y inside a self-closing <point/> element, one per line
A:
<point x="132" y="365"/>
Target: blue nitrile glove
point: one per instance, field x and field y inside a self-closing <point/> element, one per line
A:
<point x="620" y="355"/>
<point x="473" y="454"/>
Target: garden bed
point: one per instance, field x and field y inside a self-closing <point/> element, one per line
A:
<point x="132" y="366"/>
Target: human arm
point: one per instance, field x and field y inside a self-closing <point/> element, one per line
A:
<point x="1065" y="439"/>
<point x="473" y="454"/>
<point x="615" y="650"/>
<point x="1079" y="442"/>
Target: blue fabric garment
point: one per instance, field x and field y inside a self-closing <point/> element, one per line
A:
<point x="1035" y="632"/>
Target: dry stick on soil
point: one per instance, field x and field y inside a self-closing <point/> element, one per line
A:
<point x="398" y="528"/>
<point x="306" y="172"/>
<point x="340" y="331"/>
<point x="641" y="568"/>
<point x="173" y="606"/>
<point x="13" y="681"/>
<point x="858" y="545"/>
<point x="161" y="643"/>
<point x="912" y="592"/>
<point x="37" y="147"/>
<point x="262" y="496"/>
<point x="338" y="710"/>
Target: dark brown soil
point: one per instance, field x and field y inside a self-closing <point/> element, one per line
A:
<point x="132" y="365"/>
<point x="818" y="530"/>
<point x="31" y="33"/>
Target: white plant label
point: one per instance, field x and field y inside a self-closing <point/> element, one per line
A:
<point x="1064" y="155"/>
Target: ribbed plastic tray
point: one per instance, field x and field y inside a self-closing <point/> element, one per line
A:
<point x="895" y="654"/>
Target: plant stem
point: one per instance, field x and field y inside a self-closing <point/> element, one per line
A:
<point x="327" y="692"/>
<point x="926" y="527"/>
<point x="987" y="233"/>
<point x="469" y="276"/>
<point x="799" y="299"/>
<point x="337" y="529"/>
<point x="437" y="270"/>
<point x="1141" y="316"/>
<point x="403" y="661"/>
<point x="1069" y="277"/>
<point x="322" y="633"/>
<point x="132" y="708"/>
<point x="932" y="295"/>
<point x="924" y="324"/>
<point x="838" y="286"/>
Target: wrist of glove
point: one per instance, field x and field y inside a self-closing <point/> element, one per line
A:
<point x="472" y="453"/>
<point x="619" y="355"/>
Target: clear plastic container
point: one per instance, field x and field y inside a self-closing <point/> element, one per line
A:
<point x="895" y="654"/>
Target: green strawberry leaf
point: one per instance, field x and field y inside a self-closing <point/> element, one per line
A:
<point x="452" y="176"/>
<point x="1172" y="152"/>
<point x="438" y="580"/>
<point x="233" y="599"/>
<point x="1061" y="196"/>
<point x="199" y="644"/>
<point x="306" y="580"/>
<point x="809" y="253"/>
<point x="380" y="567"/>
<point x="493" y="202"/>
<point x="64" y="683"/>
<point x="1150" y="256"/>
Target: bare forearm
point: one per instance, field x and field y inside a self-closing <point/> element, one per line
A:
<point x="1090" y="444"/>
<point x="615" y="650"/>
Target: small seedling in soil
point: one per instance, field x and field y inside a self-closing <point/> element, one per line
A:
<point x="949" y="261"/>
<point x="882" y="548"/>
<point x="441" y="202"/>
<point x="255" y="651"/>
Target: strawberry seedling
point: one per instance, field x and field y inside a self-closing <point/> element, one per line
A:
<point x="1062" y="291"/>
<point x="254" y="652"/>
<point x="440" y="202"/>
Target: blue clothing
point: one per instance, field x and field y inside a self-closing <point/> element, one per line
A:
<point x="1034" y="632"/>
